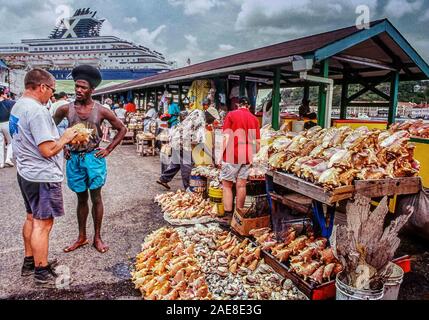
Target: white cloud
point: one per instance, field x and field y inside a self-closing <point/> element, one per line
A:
<point x="226" y="47"/>
<point x="151" y="39"/>
<point x="130" y="20"/>
<point x="193" y="7"/>
<point x="425" y="17"/>
<point x="192" y="51"/>
<point x="276" y="15"/>
<point x="399" y="8"/>
<point x="192" y="40"/>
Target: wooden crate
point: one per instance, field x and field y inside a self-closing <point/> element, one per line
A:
<point x="244" y="225"/>
<point x="311" y="190"/>
<point x="313" y="292"/>
<point x="369" y="188"/>
<point x="388" y="187"/>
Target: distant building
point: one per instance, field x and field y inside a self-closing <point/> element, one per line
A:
<point x="3" y="74"/>
<point x="420" y="111"/>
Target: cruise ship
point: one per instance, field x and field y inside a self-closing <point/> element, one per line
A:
<point x="75" y="41"/>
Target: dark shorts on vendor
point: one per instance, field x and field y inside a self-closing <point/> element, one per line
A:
<point x="232" y="172"/>
<point x="43" y="200"/>
<point x="86" y="172"/>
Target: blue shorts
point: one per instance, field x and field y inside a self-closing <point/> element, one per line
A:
<point x="86" y="171"/>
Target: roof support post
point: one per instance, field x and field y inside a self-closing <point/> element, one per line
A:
<point x="344" y="98"/>
<point x="394" y="89"/>
<point x="276" y="99"/>
<point x="242" y="85"/>
<point x="156" y="99"/>
<point x="145" y="99"/>
<point x="180" y="96"/>
<point x="321" y="110"/>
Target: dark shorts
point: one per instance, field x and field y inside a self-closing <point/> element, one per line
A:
<point x="43" y="200"/>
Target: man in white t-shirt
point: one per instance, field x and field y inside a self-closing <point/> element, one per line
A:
<point x="38" y="149"/>
<point x="150" y="116"/>
<point x="121" y="112"/>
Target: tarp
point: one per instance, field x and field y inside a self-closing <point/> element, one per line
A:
<point x="3" y="65"/>
<point x="419" y="221"/>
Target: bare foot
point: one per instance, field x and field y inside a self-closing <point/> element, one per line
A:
<point x="76" y="245"/>
<point x="100" y="246"/>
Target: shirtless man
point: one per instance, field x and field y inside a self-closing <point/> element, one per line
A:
<point x="86" y="165"/>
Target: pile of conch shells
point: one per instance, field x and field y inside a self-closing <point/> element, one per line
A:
<point x="167" y="270"/>
<point x="234" y="269"/>
<point x="185" y="205"/>
<point x="206" y="263"/>
<point x="308" y="257"/>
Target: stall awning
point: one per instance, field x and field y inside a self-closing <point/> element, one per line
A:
<point x="368" y="53"/>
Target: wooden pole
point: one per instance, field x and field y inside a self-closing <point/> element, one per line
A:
<point x="276" y="100"/>
<point x="321" y="110"/>
<point x="344" y="97"/>
<point x="393" y="107"/>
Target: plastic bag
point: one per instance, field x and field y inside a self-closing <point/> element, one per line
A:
<point x="419" y="222"/>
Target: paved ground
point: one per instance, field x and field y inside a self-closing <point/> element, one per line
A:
<point x="130" y="216"/>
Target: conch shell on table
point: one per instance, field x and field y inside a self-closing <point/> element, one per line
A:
<point x="330" y="178"/>
<point x="340" y="159"/>
<point x="328" y="271"/>
<point x="317" y="276"/>
<point x="312" y="132"/>
<point x="83" y="135"/>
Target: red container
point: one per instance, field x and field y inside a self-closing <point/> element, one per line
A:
<point x="404" y="262"/>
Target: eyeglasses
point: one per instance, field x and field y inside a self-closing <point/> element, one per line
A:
<point x="52" y="89"/>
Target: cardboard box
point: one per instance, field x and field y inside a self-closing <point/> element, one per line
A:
<point x="243" y="226"/>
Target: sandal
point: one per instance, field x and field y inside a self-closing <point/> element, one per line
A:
<point x="164" y="184"/>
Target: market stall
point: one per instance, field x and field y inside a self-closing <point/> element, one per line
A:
<point x="315" y="172"/>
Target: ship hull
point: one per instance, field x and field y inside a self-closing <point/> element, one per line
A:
<point x="112" y="74"/>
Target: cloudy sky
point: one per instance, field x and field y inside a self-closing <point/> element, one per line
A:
<point x="206" y="29"/>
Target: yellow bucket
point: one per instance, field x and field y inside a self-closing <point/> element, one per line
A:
<point x="216" y="198"/>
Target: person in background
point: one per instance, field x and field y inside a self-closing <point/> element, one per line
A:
<point x="305" y="111"/>
<point x="150" y="116"/>
<point x="173" y="110"/>
<point x="62" y="99"/>
<point x="39" y="158"/>
<point x="204" y="154"/>
<point x="130" y="107"/>
<point x="312" y="123"/>
<point x="6" y="106"/>
<point x="108" y="103"/>
<point x="178" y="161"/>
<point x="121" y="113"/>
<point x="267" y="113"/>
<point x="106" y="124"/>
<point x="209" y="108"/>
<point x="223" y="112"/>
<point x="51" y="101"/>
<point x="242" y="141"/>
